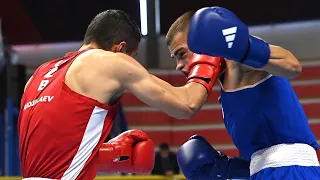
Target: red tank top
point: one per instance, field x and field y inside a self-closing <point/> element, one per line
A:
<point x="60" y="130"/>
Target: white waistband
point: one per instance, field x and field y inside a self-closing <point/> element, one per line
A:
<point x="36" y="178"/>
<point x="283" y="155"/>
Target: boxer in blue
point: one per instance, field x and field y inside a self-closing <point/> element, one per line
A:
<point x="261" y="111"/>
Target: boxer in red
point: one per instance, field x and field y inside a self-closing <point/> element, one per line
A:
<point x="69" y="104"/>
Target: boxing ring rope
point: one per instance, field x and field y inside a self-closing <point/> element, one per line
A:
<point x="136" y="177"/>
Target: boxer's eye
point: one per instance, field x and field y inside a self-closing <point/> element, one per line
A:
<point x="182" y="55"/>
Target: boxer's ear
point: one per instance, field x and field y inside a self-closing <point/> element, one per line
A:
<point x="121" y="47"/>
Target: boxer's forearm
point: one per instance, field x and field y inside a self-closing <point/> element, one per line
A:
<point x="133" y="77"/>
<point x="193" y="94"/>
<point x="282" y="63"/>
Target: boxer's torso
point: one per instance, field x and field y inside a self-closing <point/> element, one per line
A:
<point x="64" y="118"/>
<point x="262" y="112"/>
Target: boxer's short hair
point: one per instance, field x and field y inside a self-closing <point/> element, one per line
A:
<point x="110" y="27"/>
<point x="180" y="25"/>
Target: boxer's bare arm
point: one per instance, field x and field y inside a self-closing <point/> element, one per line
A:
<point x="179" y="102"/>
<point x="282" y="63"/>
<point x="189" y="90"/>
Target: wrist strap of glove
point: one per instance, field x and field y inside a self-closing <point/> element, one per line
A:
<point x="258" y="53"/>
<point x="203" y="74"/>
<point x="228" y="168"/>
<point x="238" y="168"/>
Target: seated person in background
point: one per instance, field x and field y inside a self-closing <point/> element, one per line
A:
<point x="165" y="162"/>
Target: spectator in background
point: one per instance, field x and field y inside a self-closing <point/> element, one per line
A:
<point x="165" y="162"/>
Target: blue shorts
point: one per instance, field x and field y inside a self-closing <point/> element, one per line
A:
<point x="288" y="173"/>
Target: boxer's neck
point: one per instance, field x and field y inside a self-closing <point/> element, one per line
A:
<point x="92" y="45"/>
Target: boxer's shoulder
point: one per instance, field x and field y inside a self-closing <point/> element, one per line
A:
<point x="118" y="66"/>
<point x="102" y="59"/>
<point x="99" y="74"/>
<point x="93" y="74"/>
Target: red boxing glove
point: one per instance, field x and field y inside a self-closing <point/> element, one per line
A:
<point x="205" y="70"/>
<point x="130" y="152"/>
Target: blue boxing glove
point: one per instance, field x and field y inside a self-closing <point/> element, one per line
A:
<point x="216" y="31"/>
<point x="197" y="159"/>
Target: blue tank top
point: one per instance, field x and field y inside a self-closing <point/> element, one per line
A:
<point x="265" y="114"/>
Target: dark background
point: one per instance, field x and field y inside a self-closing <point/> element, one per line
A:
<point x="39" y="21"/>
